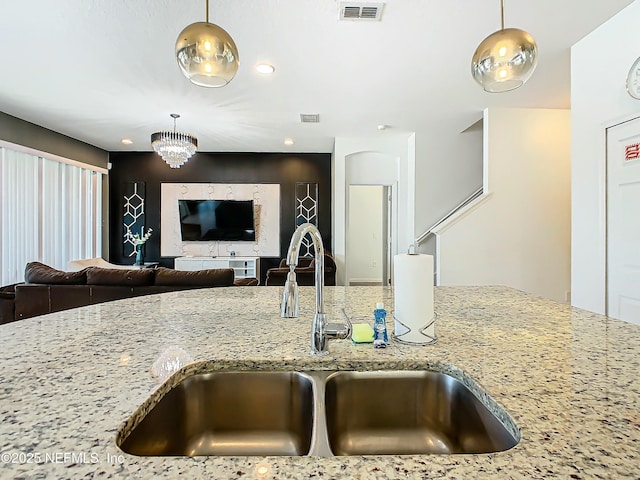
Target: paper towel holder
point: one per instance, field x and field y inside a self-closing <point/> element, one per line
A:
<point x="428" y="339"/>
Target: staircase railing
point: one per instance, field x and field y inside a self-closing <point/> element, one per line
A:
<point x="429" y="231"/>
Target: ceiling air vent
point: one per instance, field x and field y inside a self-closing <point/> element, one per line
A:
<point x="360" y="11"/>
<point x="310" y="117"/>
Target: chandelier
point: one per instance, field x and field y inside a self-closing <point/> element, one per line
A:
<point x="505" y="59"/>
<point x="206" y="54"/>
<point x="174" y="147"/>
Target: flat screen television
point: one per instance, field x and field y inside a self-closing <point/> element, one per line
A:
<point x="224" y="220"/>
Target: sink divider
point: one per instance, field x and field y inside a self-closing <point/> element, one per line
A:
<point x="320" y="436"/>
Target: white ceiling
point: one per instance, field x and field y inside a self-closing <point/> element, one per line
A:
<point x="101" y="70"/>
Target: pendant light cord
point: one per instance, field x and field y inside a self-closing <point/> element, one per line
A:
<point x="208" y="12"/>
<point x="501" y="13"/>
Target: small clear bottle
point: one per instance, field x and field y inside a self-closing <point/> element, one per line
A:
<point x="380" y="337"/>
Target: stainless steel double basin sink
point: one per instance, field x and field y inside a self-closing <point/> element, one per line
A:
<point x="262" y="413"/>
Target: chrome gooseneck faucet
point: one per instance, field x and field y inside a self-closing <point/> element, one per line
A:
<point x="289" y="308"/>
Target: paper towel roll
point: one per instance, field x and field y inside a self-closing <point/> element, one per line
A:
<point x="413" y="297"/>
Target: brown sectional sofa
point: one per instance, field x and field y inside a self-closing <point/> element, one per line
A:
<point x="305" y="272"/>
<point x="48" y="290"/>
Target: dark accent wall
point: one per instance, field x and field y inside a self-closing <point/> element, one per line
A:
<point x="284" y="169"/>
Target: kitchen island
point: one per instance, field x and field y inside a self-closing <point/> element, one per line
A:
<point x="568" y="378"/>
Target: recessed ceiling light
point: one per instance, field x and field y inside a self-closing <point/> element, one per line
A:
<point x="265" y="68"/>
<point x="127" y="141"/>
<point x="288" y="141"/>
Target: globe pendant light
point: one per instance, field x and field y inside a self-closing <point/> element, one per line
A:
<point x="207" y="54"/>
<point x="174" y="147"/>
<point x="505" y="59"/>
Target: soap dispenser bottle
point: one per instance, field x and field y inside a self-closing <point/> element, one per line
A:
<point x="380" y="337"/>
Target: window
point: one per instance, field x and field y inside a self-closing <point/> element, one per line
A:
<point x="50" y="212"/>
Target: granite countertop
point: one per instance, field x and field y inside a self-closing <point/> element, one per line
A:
<point x="568" y="378"/>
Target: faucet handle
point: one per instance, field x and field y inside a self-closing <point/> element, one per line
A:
<point x="290" y="304"/>
<point x="340" y="330"/>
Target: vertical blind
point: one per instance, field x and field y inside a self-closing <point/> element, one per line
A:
<point x="49" y="212"/>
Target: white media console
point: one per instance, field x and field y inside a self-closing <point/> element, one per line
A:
<point x="243" y="267"/>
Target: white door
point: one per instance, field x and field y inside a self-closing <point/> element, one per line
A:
<point x="365" y="260"/>
<point x="623" y="221"/>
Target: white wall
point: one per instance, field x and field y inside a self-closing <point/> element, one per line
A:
<point x="460" y="173"/>
<point x="520" y="234"/>
<point x="599" y="66"/>
<point x="383" y="160"/>
<point x="364" y="246"/>
<point x="448" y="170"/>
